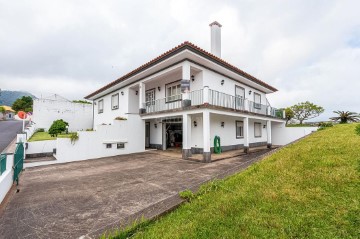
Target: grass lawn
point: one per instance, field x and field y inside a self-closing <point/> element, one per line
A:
<point x="310" y="189"/>
<point x="39" y="136"/>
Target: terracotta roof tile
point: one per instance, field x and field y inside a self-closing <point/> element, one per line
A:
<point x="185" y="45"/>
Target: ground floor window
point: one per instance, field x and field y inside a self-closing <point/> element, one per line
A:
<point x="257" y="130"/>
<point x="239" y="129"/>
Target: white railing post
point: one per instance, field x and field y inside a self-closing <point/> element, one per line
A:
<point x="206" y="95"/>
<point x="246" y="105"/>
<point x="284" y="116"/>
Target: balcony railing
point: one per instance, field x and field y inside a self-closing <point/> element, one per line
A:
<point x="212" y="97"/>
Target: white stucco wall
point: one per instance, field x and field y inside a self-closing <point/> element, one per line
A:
<point x="45" y="146"/>
<point x="282" y="135"/>
<point x="92" y="145"/>
<point x="6" y="179"/>
<point x="213" y="80"/>
<point x="108" y="114"/>
<point x="45" y="112"/>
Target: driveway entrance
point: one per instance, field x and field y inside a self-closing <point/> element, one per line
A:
<point x="89" y="197"/>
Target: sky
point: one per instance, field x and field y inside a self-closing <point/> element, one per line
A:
<point x="308" y="50"/>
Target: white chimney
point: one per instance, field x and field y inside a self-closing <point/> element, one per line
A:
<point x="216" y="38"/>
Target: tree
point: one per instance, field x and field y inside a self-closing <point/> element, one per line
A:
<point x="289" y="114"/>
<point x="306" y="110"/>
<point x="57" y="127"/>
<point x="2" y="111"/>
<point x="81" y="102"/>
<point x="346" y="116"/>
<point x="24" y="103"/>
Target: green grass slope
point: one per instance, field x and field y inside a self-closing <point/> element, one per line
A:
<point x="310" y="189"/>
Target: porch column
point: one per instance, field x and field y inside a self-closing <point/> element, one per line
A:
<point x="268" y="130"/>
<point x="206" y="135"/>
<point x="186" y="151"/>
<point x="246" y="135"/>
<point x="186" y="77"/>
<point x="141" y="98"/>
<point x="206" y="95"/>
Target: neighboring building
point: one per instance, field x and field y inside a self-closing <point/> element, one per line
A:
<point x="47" y="110"/>
<point x="186" y="97"/>
<point x="9" y="113"/>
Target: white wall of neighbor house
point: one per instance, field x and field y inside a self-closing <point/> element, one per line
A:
<point x="92" y="144"/>
<point x="282" y="135"/>
<point x="44" y="146"/>
<point x="6" y="178"/>
<point x="213" y="80"/>
<point x="45" y="112"/>
<point x="109" y="114"/>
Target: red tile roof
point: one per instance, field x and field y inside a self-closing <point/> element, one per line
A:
<point x="183" y="46"/>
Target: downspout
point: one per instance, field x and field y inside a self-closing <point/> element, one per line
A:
<point x="93" y="120"/>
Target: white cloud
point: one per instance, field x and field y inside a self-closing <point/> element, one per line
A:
<point x="308" y="50"/>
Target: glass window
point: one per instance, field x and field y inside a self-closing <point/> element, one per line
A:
<point x="239" y="129"/>
<point x="150" y="97"/>
<point x="115" y="101"/>
<point x="257" y="100"/>
<point x="100" y="106"/>
<point x="257" y="129"/>
<point x="173" y="92"/>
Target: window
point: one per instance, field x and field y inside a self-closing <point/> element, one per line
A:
<point x="257" y="130"/>
<point x="115" y="101"/>
<point x="257" y="100"/>
<point x="173" y="92"/>
<point x="100" y="106"/>
<point x="150" y="97"/>
<point x="239" y="97"/>
<point x="108" y="146"/>
<point x="239" y="129"/>
<point x="120" y="145"/>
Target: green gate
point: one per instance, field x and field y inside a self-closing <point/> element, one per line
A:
<point x="2" y="163"/>
<point x="18" y="161"/>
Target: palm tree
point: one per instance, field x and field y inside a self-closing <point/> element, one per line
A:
<point x="346" y="116"/>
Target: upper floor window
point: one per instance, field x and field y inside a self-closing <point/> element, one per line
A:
<point x="239" y="129"/>
<point x="173" y="92"/>
<point x="150" y="97"/>
<point x="257" y="130"/>
<point x="115" y="101"/>
<point x="257" y="100"/>
<point x="100" y="106"/>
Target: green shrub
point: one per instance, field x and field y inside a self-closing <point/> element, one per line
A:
<point x="120" y="118"/>
<point x="57" y="127"/>
<point x="187" y="195"/>
<point x="357" y="129"/>
<point x="74" y="137"/>
<point x="40" y="130"/>
<point x="324" y="125"/>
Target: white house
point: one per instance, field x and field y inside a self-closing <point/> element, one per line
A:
<point x="55" y="107"/>
<point x="185" y="97"/>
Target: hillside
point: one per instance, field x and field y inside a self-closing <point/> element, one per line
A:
<point x="8" y="97"/>
<point x="310" y="189"/>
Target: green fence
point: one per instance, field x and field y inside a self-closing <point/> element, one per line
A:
<point x="2" y="163"/>
<point x="18" y="161"/>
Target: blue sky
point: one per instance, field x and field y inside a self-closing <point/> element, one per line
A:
<point x="309" y="50"/>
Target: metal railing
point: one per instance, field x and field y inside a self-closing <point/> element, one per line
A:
<point x="196" y="97"/>
<point x="2" y="163"/>
<point x="168" y="103"/>
<point x="214" y="98"/>
<point x="225" y="100"/>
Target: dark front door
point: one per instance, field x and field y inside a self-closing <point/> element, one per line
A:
<point x="147" y="134"/>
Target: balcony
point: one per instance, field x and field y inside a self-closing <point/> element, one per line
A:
<point x="208" y="97"/>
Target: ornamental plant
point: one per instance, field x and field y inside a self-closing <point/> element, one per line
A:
<point x="57" y="127"/>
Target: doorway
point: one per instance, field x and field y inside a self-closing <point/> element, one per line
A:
<point x="174" y="136"/>
<point x="147" y="134"/>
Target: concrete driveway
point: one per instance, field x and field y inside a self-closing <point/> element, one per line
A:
<point x="89" y="197"/>
<point x="8" y="131"/>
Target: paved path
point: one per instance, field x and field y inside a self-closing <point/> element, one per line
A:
<point x="8" y="131"/>
<point x="88" y="197"/>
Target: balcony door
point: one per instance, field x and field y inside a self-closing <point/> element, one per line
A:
<point x="239" y="97"/>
